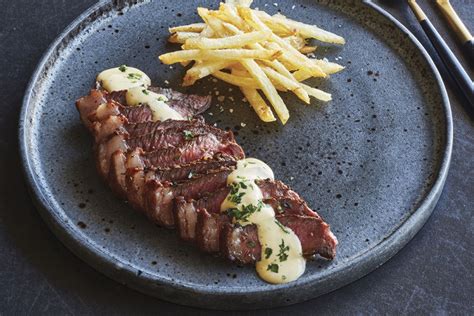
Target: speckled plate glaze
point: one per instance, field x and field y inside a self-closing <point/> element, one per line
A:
<point x="372" y="162"/>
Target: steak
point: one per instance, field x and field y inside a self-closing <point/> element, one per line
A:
<point x="290" y="210"/>
<point x="175" y="172"/>
<point x="187" y="105"/>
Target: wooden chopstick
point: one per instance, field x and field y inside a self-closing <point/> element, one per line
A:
<point x="458" y="27"/>
<point x="452" y="64"/>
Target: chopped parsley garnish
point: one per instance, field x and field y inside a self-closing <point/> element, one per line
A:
<point x="134" y="76"/>
<point x="251" y="244"/>
<point x="283" y="228"/>
<point x="236" y="198"/>
<point x="283" y="255"/>
<point x="268" y="252"/>
<point x="145" y="92"/>
<point x="123" y="68"/>
<point x="162" y="98"/>
<point x="273" y="267"/>
<point x="188" y="135"/>
<point x="246" y="211"/>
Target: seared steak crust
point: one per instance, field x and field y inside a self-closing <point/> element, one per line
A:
<point x="175" y="172"/>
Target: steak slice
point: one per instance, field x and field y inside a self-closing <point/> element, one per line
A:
<point x="176" y="173"/>
<point x="173" y="136"/>
<point x="159" y="196"/>
<point x="136" y="175"/>
<point x="239" y="243"/>
<point x="88" y="104"/>
<point x="187" y="105"/>
<point x="200" y="147"/>
<point x="99" y="105"/>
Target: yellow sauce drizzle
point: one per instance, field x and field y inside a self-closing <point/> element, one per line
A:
<point x="136" y="83"/>
<point x="281" y="260"/>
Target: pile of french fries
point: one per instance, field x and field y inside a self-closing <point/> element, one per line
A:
<point x="254" y="51"/>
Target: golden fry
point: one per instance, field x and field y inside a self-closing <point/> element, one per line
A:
<point x="235" y="41"/>
<point x="290" y="54"/>
<point x="316" y="93"/>
<point x="202" y="70"/>
<point x="181" y="37"/>
<point x="268" y="89"/>
<point x="218" y="54"/>
<point x="236" y="80"/>
<point x="195" y="27"/>
<point x="287" y="83"/>
<point x="259" y="105"/>
<point x="305" y="30"/>
<point x="262" y="52"/>
<point x="307" y="50"/>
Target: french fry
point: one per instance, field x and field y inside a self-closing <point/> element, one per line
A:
<point x="235" y="41"/>
<point x="236" y="80"/>
<point x="259" y="105"/>
<point x="254" y="51"/>
<point x="307" y="50"/>
<point x="295" y="41"/>
<point x="328" y="67"/>
<point x="287" y="83"/>
<point x="199" y="71"/>
<point x="228" y="13"/>
<point x="207" y="32"/>
<point x="181" y="37"/>
<point x="305" y="30"/>
<point x="316" y="93"/>
<point x="195" y="27"/>
<point x="268" y="89"/>
<point x="240" y="71"/>
<point x="214" y="24"/>
<point x="290" y="54"/>
<point x="218" y="54"/>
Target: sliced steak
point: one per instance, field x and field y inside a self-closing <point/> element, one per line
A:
<point x="168" y="135"/>
<point x="290" y="210"/>
<point x="200" y="147"/>
<point x="209" y="229"/>
<point x="159" y="196"/>
<point x="314" y="234"/>
<point x="88" y="104"/>
<point x="136" y="176"/>
<point x="240" y="243"/>
<point x="187" y="105"/>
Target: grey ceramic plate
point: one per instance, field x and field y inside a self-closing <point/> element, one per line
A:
<point x="372" y="162"/>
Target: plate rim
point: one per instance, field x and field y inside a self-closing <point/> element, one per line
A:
<point x="165" y="289"/>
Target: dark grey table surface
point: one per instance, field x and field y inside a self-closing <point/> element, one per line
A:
<point x="433" y="274"/>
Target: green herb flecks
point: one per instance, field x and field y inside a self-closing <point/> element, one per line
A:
<point x="188" y="135"/>
<point x="145" y="92"/>
<point x="268" y="252"/>
<point x="245" y="212"/>
<point x="283" y="228"/>
<point x="283" y="254"/>
<point x="273" y="267"/>
<point x="134" y="76"/>
<point x="123" y="68"/>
